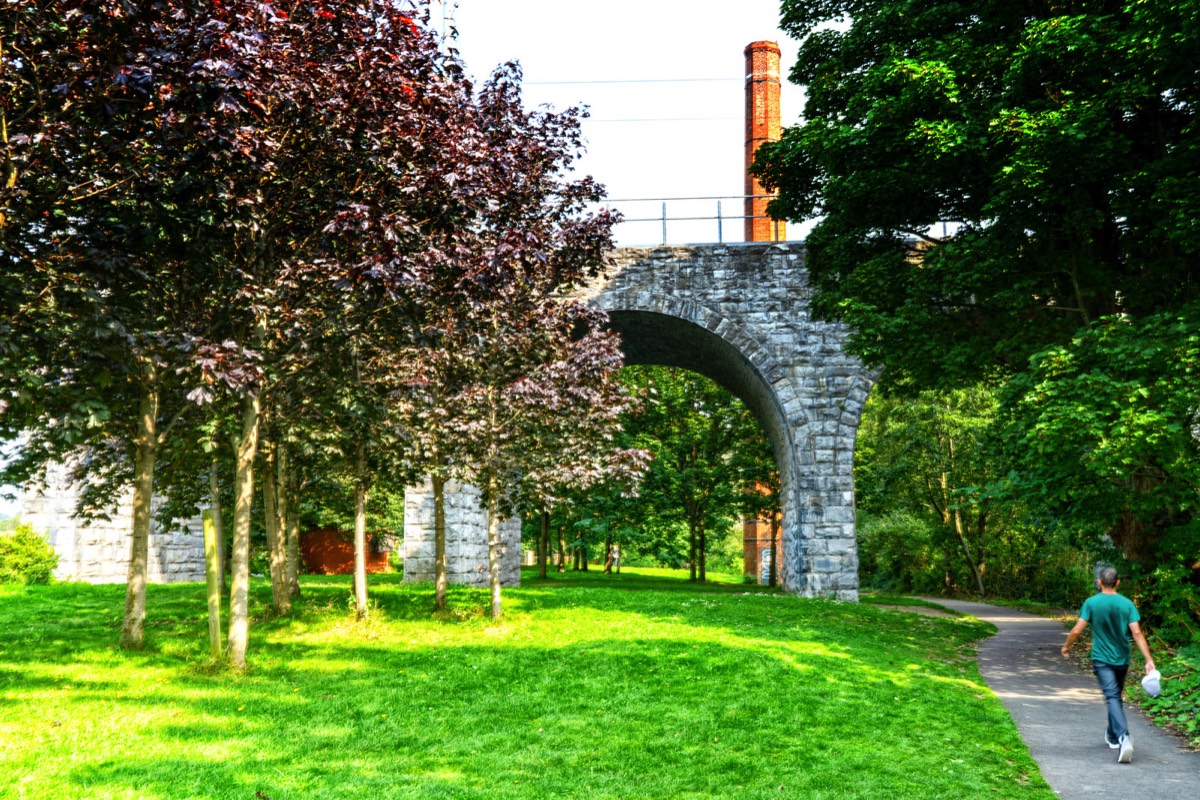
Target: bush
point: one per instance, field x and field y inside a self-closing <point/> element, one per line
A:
<point x="897" y="553"/>
<point x="26" y="557"/>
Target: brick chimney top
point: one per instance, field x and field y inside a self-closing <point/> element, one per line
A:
<point x="762" y="125"/>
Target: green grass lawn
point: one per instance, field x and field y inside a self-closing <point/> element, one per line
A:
<point x="629" y="686"/>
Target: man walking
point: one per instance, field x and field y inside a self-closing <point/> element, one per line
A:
<point x="1114" y="618"/>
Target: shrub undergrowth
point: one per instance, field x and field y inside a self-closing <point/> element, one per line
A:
<point x="26" y="557"/>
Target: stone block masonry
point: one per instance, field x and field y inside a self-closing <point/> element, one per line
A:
<point x="739" y="314"/>
<point x="98" y="551"/>
<point x="466" y="538"/>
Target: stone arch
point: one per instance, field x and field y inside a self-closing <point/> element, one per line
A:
<point x="669" y="331"/>
<point x="739" y="314"/>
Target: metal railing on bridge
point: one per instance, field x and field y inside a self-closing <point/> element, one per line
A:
<point x="669" y="212"/>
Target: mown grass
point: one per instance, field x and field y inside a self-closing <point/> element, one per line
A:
<point x="593" y="686"/>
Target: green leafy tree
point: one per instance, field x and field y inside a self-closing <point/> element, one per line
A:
<point x="1054" y="141"/>
<point x="1104" y="433"/>
<point x="696" y="432"/>
<point x="1003" y="185"/>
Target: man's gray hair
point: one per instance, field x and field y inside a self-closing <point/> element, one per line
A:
<point x="1107" y="577"/>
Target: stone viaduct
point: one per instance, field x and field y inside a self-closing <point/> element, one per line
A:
<point x="739" y="314"/>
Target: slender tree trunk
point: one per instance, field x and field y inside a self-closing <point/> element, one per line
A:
<point x="773" y="574"/>
<point x="691" y="551"/>
<point x="962" y="537"/>
<point x="133" y="627"/>
<point x="440" y="579"/>
<point x="562" y="549"/>
<point x="360" y="533"/>
<point x="576" y="556"/>
<point x="954" y="519"/>
<point x="544" y="544"/>
<point x="289" y="521"/>
<point x="583" y="554"/>
<point x="243" y="501"/>
<point x="289" y="546"/>
<point x="214" y="502"/>
<point x="212" y="580"/>
<point x="276" y="544"/>
<point x="493" y="523"/>
<point x="608" y="556"/>
<point x="293" y="551"/>
<point x="703" y="554"/>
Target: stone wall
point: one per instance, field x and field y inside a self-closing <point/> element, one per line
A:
<point x="98" y="551"/>
<point x="466" y="538"/>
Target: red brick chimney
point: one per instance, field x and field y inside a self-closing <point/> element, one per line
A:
<point x="762" y="125"/>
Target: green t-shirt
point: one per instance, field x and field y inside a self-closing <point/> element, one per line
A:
<point x="1110" y="615"/>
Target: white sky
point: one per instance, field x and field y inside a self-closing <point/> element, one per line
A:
<point x="682" y="138"/>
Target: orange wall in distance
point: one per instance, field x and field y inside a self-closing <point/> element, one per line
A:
<point x="327" y="551"/>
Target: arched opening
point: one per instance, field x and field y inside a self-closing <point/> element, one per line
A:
<point x="650" y="338"/>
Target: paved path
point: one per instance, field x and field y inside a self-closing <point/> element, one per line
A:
<point x="1060" y="714"/>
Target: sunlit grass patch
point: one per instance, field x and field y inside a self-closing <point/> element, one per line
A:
<point x="592" y="686"/>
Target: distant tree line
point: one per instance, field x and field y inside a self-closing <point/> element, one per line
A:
<point x="712" y="468"/>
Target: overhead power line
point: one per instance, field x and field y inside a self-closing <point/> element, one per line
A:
<point x="664" y="119"/>
<point x="635" y="80"/>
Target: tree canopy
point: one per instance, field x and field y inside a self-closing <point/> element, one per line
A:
<point x="270" y="222"/>
<point x="1057" y="143"/>
<point x="1008" y="193"/>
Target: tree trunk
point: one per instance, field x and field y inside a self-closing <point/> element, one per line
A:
<point x="583" y="554"/>
<point x="562" y="549"/>
<point x="243" y="501"/>
<point x="360" y="533"/>
<point x="773" y="574"/>
<point x="133" y="627"/>
<point x="544" y="544"/>
<point x="214" y="502"/>
<point x="289" y="545"/>
<point x="212" y="580"/>
<point x="440" y="579"/>
<point x="691" y="552"/>
<point x="576" y="556"/>
<point x="702" y="554"/>
<point x="493" y="523"/>
<point x="293" y="551"/>
<point x="608" y="556"/>
<point x="276" y="543"/>
<point x="962" y="537"/>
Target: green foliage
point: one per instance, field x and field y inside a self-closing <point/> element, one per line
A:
<point x="26" y="556"/>
<point x="1004" y="194"/>
<point x="1052" y="139"/>
<point x="1179" y="704"/>
<point x="927" y="472"/>
<point x="708" y="451"/>
<point x="610" y="687"/>
<point x="1102" y="436"/>
<point x="897" y="554"/>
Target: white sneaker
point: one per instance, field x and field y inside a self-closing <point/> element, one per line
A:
<point x="1112" y="743"/>
<point x="1125" y="756"/>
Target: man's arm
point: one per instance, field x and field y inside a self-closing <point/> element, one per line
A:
<point x="1138" y="637"/>
<point x="1073" y="634"/>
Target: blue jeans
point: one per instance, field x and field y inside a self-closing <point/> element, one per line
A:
<point x="1112" y="684"/>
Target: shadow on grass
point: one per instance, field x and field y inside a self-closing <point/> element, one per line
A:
<point x="591" y="689"/>
<point x="644" y="718"/>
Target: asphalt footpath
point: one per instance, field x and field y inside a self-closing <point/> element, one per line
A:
<point x="1060" y="714"/>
